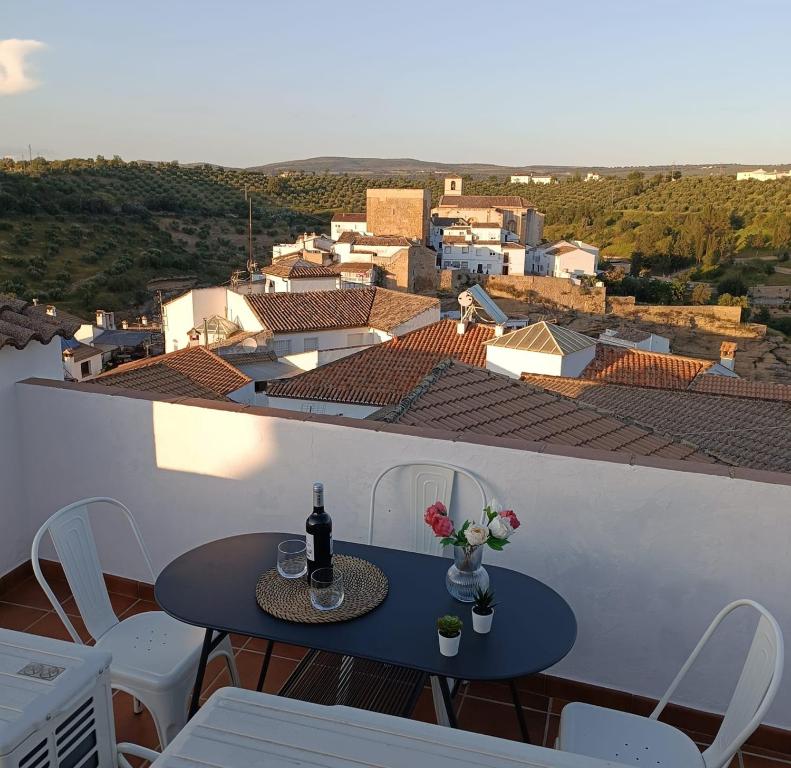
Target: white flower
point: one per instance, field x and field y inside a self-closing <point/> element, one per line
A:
<point x="500" y="528"/>
<point x="476" y="534"/>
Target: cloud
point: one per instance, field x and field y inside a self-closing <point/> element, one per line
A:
<point x="13" y="78"/>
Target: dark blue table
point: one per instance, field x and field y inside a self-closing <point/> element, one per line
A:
<point x="213" y="586"/>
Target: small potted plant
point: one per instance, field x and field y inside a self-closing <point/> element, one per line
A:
<point x="449" y="633"/>
<point x="483" y="611"/>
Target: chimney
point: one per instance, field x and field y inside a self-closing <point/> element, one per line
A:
<point x="728" y="354"/>
<point x="51" y="311"/>
<point x="35" y="302"/>
<point x="125" y="324"/>
<point x="68" y="354"/>
<point x="461" y="327"/>
<point x="143" y="320"/>
<point x="499" y="330"/>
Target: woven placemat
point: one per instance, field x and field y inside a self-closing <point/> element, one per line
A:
<point x="364" y="587"/>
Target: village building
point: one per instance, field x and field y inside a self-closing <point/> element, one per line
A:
<point x="484" y="248"/>
<point x="348" y="222"/>
<point x="563" y="258"/>
<point x="532" y="179"/>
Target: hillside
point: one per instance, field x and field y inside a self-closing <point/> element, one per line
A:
<point x="88" y="232"/>
<point x="405" y="166"/>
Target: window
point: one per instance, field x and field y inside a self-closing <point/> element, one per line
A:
<point x="446" y="249"/>
<point x="311" y="343"/>
<point x="260" y="386"/>
<point x="314" y="408"/>
<point x="465" y="249"/>
<point x="465" y="264"/>
<point x="453" y="186"/>
<point x="282" y="347"/>
<point x="85" y="369"/>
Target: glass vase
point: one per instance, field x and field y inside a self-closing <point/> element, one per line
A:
<point x="466" y="575"/>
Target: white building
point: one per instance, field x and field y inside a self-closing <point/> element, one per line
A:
<point x="348" y="222"/>
<point x="636" y="339"/>
<point x="307" y="242"/>
<point x="293" y="274"/>
<point x="590" y="176"/>
<point x="484" y="248"/>
<point x="81" y="361"/>
<point x="543" y="349"/>
<point x="563" y="258"/>
<point x="531" y="179"/>
<point x="761" y="175"/>
<point x="298" y="322"/>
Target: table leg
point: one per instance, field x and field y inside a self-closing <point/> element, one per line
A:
<point x="209" y="644"/>
<point x="264" y="666"/>
<point x="520" y="715"/>
<point x="448" y="701"/>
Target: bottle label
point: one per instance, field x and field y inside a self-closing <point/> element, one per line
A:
<point x="309" y="551"/>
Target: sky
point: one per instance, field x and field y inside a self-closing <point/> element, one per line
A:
<point x="566" y="82"/>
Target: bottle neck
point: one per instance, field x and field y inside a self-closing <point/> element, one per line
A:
<point x="318" y="498"/>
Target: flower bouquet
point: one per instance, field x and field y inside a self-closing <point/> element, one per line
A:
<point x="467" y="575"/>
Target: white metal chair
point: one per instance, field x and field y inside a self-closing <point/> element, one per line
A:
<point x="642" y="741"/>
<point x="155" y="657"/>
<point x="429" y="482"/>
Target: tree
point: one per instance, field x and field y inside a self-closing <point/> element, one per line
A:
<point x="701" y="294"/>
<point x="779" y="228"/>
<point x="734" y="286"/>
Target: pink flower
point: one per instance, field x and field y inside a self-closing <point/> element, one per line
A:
<point x="510" y="515"/>
<point x="441" y="508"/>
<point x="442" y="526"/>
<point x="436" y="510"/>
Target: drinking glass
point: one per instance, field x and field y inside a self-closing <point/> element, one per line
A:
<point x="291" y="560"/>
<point x="326" y="588"/>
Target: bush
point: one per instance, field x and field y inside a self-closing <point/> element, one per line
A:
<point x="734" y="286"/>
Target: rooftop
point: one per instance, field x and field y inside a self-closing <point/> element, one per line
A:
<point x="484" y="201"/>
<point x="463" y="399"/>
<point x="384" y="373"/>
<point x="294" y="268"/>
<point x="321" y="310"/>
<point x="352" y="217"/>
<point x="743" y="431"/>
<point x="22" y="322"/>
<point x="191" y="372"/>
<point x="544" y="337"/>
<point x="368" y="240"/>
<point x="79" y="351"/>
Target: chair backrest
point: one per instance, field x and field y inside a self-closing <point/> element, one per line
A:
<point x="428" y="483"/>
<point x="755" y="690"/>
<point x="72" y="536"/>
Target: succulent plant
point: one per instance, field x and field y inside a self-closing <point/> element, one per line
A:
<point x="449" y="626"/>
<point x="483" y="602"/>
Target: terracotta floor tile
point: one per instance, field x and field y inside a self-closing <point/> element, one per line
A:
<point x="281" y="649"/>
<point x="501" y="692"/>
<point x="18" y="617"/>
<point x="249" y="666"/>
<point x="761" y="761"/>
<point x="500" y="720"/>
<point x="762" y="752"/>
<point x="424" y="710"/>
<point x="140" y="606"/>
<point x="50" y="625"/>
<point x="31" y="594"/>
<point x="137" y="729"/>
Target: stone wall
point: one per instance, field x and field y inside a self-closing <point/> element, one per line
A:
<point x="552" y="292"/>
<point x="711" y="318"/>
<point x="412" y="269"/>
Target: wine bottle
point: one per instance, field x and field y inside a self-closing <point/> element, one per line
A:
<point x="318" y="534"/>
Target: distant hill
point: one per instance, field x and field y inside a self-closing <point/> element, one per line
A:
<point x="406" y="166"/>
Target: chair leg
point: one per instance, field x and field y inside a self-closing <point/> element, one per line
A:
<point x="168" y="711"/>
<point x="137" y="707"/>
<point x="264" y="666"/>
<point x="225" y="649"/>
<point x="520" y="715"/>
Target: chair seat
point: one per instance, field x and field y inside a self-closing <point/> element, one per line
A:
<point x="330" y="679"/>
<point x="625" y="738"/>
<point x="153" y="649"/>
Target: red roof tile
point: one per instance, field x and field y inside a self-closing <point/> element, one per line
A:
<point x="22" y="322"/>
<point x="730" y="385"/>
<point x="293" y="267"/>
<point x="623" y="365"/>
<point x="318" y="310"/>
<point x="355" y="217"/>
<point x="192" y="372"/>
<point x="484" y="201"/>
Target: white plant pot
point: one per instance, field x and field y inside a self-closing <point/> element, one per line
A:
<point x="482" y="623"/>
<point x="449" y="646"/>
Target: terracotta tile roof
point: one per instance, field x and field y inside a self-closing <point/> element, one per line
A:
<point x="317" y="310"/>
<point x="562" y="249"/>
<point x="22" y="322"/>
<point x="623" y="365"/>
<point x="347" y="237"/>
<point x="727" y="385"/>
<point x="453" y="239"/>
<point x="293" y="267"/>
<point x="355" y="217"/>
<point x="744" y="431"/>
<point x="80" y="351"/>
<point x="464" y="399"/>
<point x="384" y="373"/>
<point x="627" y="334"/>
<point x="192" y="372"/>
<point x="487" y="225"/>
<point x="513" y="244"/>
<point x="352" y="266"/>
<point x="483" y="201"/>
<point x="389" y="240"/>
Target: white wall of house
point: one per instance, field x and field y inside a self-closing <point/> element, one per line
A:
<point x="238" y="311"/>
<point x="515" y="362"/>
<point x="573" y="263"/>
<point x="78" y="370"/>
<point x="645" y="552"/>
<point x="337" y="228"/>
<point x="308" y="341"/>
<point x="277" y="284"/>
<point x="187" y="311"/>
<point x="307" y="361"/>
<point x="35" y="359"/>
<point x="528" y="179"/>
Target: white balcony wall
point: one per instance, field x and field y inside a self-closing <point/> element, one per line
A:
<point x="644" y="552"/>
